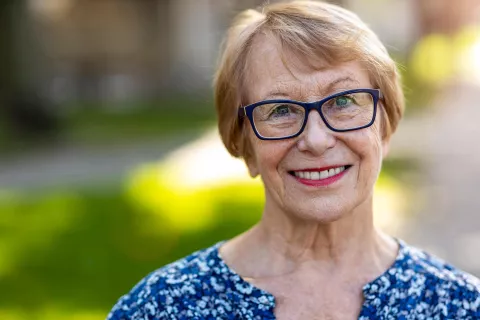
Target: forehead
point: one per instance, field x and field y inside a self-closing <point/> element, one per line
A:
<point x="273" y="72"/>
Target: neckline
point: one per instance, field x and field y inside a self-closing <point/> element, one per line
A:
<point x="370" y="290"/>
<point x="382" y="282"/>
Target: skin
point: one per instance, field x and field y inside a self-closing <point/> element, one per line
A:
<point x="315" y="247"/>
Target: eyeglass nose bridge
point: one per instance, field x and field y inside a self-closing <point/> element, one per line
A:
<point x="315" y="105"/>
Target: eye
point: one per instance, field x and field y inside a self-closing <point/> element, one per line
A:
<point x="278" y="112"/>
<point x="343" y="101"/>
<point x="282" y="110"/>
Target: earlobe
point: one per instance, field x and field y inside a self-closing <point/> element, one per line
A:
<point x="252" y="167"/>
<point x="249" y="156"/>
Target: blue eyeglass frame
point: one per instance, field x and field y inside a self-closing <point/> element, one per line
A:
<point x="308" y="106"/>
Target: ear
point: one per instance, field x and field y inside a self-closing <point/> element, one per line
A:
<point x="385" y="140"/>
<point x="385" y="147"/>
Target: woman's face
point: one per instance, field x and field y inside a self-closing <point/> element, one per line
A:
<point x="317" y="148"/>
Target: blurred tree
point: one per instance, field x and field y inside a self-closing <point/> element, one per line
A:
<point x="22" y="112"/>
<point x="6" y="54"/>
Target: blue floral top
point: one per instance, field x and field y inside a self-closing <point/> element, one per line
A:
<point x="202" y="286"/>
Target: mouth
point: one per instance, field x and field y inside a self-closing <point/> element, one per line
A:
<point x="320" y="176"/>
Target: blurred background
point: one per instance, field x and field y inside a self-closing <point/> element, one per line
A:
<point x="110" y="164"/>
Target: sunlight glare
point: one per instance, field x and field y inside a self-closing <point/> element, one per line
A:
<point x="204" y="163"/>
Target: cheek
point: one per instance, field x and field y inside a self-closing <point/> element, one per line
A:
<point x="371" y="159"/>
<point x="370" y="142"/>
<point x="367" y="146"/>
<point x="377" y="142"/>
<point x="269" y="155"/>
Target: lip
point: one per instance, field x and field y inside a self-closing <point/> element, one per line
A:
<point x="324" y="182"/>
<point x="323" y="168"/>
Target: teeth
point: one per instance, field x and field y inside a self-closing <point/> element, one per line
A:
<point x="323" y="174"/>
<point x="316" y="175"/>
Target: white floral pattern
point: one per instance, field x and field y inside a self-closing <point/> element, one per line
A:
<point x="202" y="286"/>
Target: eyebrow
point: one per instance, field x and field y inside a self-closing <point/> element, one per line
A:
<point x="329" y="87"/>
<point x="345" y="79"/>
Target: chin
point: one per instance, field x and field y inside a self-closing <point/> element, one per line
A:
<point x="320" y="213"/>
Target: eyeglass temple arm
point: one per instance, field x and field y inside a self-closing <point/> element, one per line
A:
<point x="242" y="112"/>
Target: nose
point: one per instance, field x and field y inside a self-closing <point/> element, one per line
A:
<point x="316" y="138"/>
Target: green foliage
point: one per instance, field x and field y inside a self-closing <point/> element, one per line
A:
<point x="439" y="59"/>
<point x="80" y="250"/>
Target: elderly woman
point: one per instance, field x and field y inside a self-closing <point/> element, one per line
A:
<point x="308" y="96"/>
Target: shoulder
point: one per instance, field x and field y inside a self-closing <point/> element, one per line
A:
<point x="449" y="290"/>
<point x="440" y="272"/>
<point x="174" y="288"/>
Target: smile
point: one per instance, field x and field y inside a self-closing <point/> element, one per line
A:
<point x="320" y="177"/>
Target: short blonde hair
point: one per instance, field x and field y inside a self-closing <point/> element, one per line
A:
<point x="311" y="29"/>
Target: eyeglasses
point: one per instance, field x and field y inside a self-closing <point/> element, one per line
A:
<point x="282" y="119"/>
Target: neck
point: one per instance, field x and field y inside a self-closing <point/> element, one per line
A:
<point x="297" y="239"/>
<point x="282" y="244"/>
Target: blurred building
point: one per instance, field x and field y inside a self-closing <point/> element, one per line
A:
<point x="120" y="50"/>
<point x="117" y="50"/>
